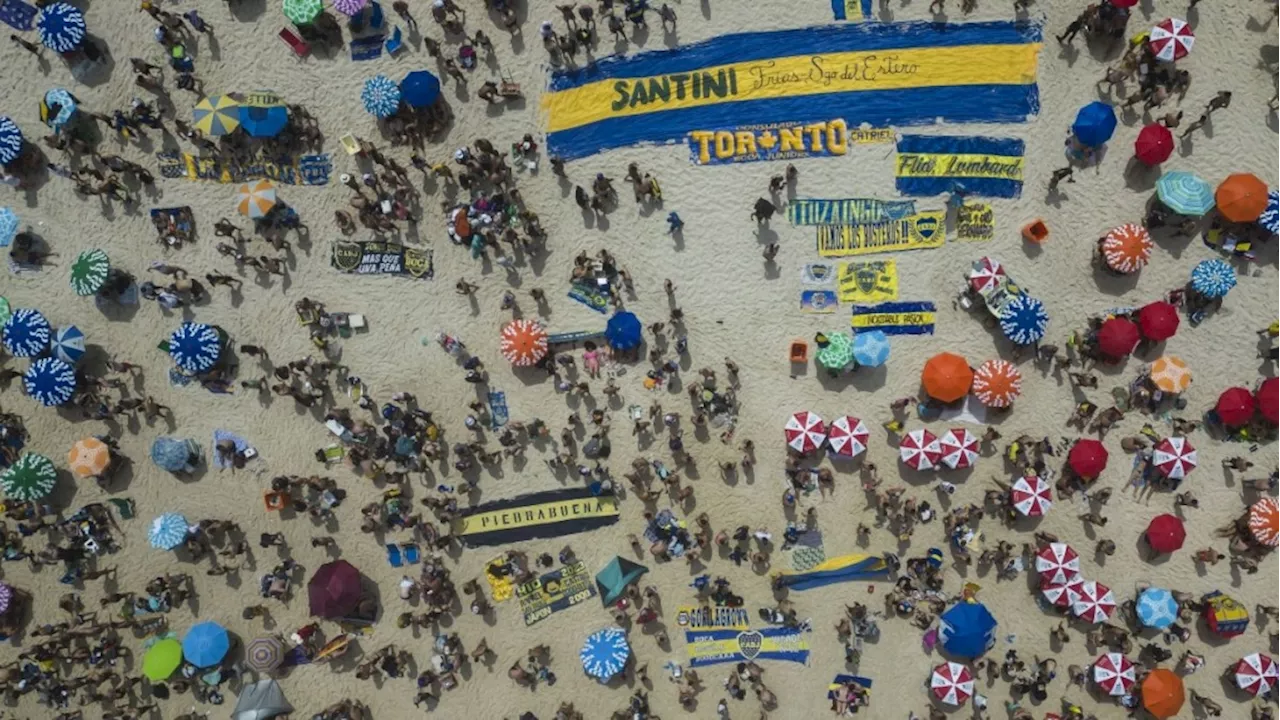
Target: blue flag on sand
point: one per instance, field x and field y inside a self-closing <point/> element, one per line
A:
<point x="367" y="48"/>
<point x="977" y="166"/>
<point x="18" y="15"/>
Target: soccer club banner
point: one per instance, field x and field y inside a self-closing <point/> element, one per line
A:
<point x="926" y="229"/>
<point x="896" y="318"/>
<point x="848" y="211"/>
<point x="555" y="591"/>
<point x="851" y="9"/>
<point x="300" y="170"/>
<point x="374" y="257"/>
<point x="772" y="141"/>
<point x="938" y="164"/>
<point x="868" y="281"/>
<point x="717" y="635"/>
<point x="873" y="74"/>
<point x="845" y="568"/>
<point x="539" y="515"/>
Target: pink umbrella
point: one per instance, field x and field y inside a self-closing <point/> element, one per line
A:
<point x="986" y="274"/>
<point x="847" y="436"/>
<point x="959" y="448"/>
<point x="952" y="683"/>
<point x="1031" y="496"/>
<point x="1096" y="602"/>
<point x="1174" y="457"/>
<point x="1062" y="594"/>
<point x="350" y="8"/>
<point x="1171" y="39"/>
<point x="1115" y="674"/>
<point x="1057" y="563"/>
<point x="804" y="432"/>
<point x="1257" y="674"/>
<point x="920" y="450"/>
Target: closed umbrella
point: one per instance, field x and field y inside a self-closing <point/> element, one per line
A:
<point x="89" y="457"/>
<point x="89" y="271"/>
<point x="31" y="477"/>
<point x="1062" y="594"/>
<point x="870" y="348"/>
<point x="1257" y="674"/>
<point x="1270" y="217"/>
<point x="1171" y="374"/>
<point x="1115" y="674"/>
<point x="170" y="453"/>
<point x="951" y="683"/>
<point x="1171" y="39"/>
<point x="420" y="89"/>
<point x="256" y="199"/>
<point x="1213" y="278"/>
<point x="847" y="436"/>
<point x="349" y="8"/>
<point x="11" y="140"/>
<point x="26" y="333"/>
<point x="68" y="344"/>
<point x="216" y="115"/>
<point x="1165" y="533"/>
<point x="1096" y="602"/>
<point x="1158" y="321"/>
<point x="162" y="659"/>
<point x="1264" y="521"/>
<point x="1174" y="457"/>
<point x="1087" y="458"/>
<point x="605" y="653"/>
<point x="996" y="383"/>
<point x="1156" y="608"/>
<point x="959" y="448"/>
<point x="946" y="377"/>
<point x="50" y="381"/>
<point x="1024" y="320"/>
<point x="837" y="354"/>
<point x="206" y="644"/>
<point x="1268" y="399"/>
<point x="1154" y="144"/>
<point x="1057" y="562"/>
<point x="302" y="12"/>
<point x="986" y="274"/>
<point x="1185" y="193"/>
<point x="524" y="342"/>
<point x="57" y="107"/>
<point x="264" y="654"/>
<point x="1031" y="496"/>
<point x="195" y="347"/>
<point x="1235" y="407"/>
<point x="920" y="450"/>
<point x="167" y="531"/>
<point x="804" y="432"/>
<point x="1242" y="197"/>
<point x="381" y="96"/>
<point x="1095" y="123"/>
<point x="1162" y="693"/>
<point x="1118" y="337"/>
<point x="8" y="226"/>
<point x="623" y="331"/>
<point x="967" y="630"/>
<point x="334" y="590"/>
<point x="6" y="597"/>
<point x="1127" y="248"/>
<point x="61" y="27"/>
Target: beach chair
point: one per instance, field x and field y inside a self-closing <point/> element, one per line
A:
<point x="395" y="43"/>
<point x="508" y="88"/>
<point x="394" y="557"/>
<point x="299" y="47"/>
<point x="411" y="553"/>
<point x="350" y="144"/>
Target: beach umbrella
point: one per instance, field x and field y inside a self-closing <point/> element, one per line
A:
<point x="1156" y="608"/>
<point x="195" y="347"/>
<point x="334" y="590"/>
<point x="89" y="457"/>
<point x="8" y="226"/>
<point x="604" y="653"/>
<point x="1242" y="197"/>
<point x="1170" y="373"/>
<point x="170" y="453"/>
<point x="1158" y="320"/>
<point x="1057" y="563"/>
<point x="216" y="115"/>
<point x="264" y="654"/>
<point x="1264" y="521"/>
<point x="1185" y="193"/>
<point x="89" y="271"/>
<point x="951" y="683"/>
<point x="1235" y="407"/>
<point x="1031" y="496"/>
<point x="50" y="381"/>
<point x="1095" y="123"/>
<point x="1270" y="217"/>
<point x="1268" y="399"/>
<point x="206" y="644"/>
<point x="1154" y="144"/>
<point x="1118" y="337"/>
<point x="1087" y="458"/>
<point x="256" y="199"/>
<point x="6" y="597"/>
<point x="1162" y="693"/>
<point x="264" y="120"/>
<point x="11" y="140"/>
<point x="381" y="96"/>
<point x="1096" y="602"/>
<point x="1224" y="614"/>
<point x="804" y="432"/>
<point x="5" y="311"/>
<point x="524" y="342"/>
<point x="68" y="344"/>
<point x="26" y="333"/>
<point x="1115" y="674"/>
<point x="264" y="699"/>
<point x="871" y="348"/>
<point x="1024" y="319"/>
<point x="920" y="450"/>
<point x="167" y="531"/>
<point x="967" y="630"/>
<point x="1165" y="533"/>
<point x="996" y="383"/>
<point x="986" y="274"/>
<point x="946" y="377"/>
<point x="302" y="12"/>
<point x="1171" y="39"/>
<point x="1257" y="674"/>
<point x="1174" y="457"/>
<point x="31" y="477"/>
<point x="847" y="436"/>
<point x="837" y="354"/>
<point x="420" y="89"/>
<point x="350" y="8"/>
<point x="1127" y="248"/>
<point x="57" y="107"/>
<point x="1062" y="594"/>
<point x="623" y="331"/>
<point x="959" y="448"/>
<point x="162" y="659"/>
<point x="61" y="27"/>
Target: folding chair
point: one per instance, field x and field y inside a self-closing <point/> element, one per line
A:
<point x="395" y="43"/>
<point x="300" y="48"/>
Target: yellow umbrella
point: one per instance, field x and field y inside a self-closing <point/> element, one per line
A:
<point x="217" y="115"/>
<point x="1171" y="374"/>
<point x="89" y="457"/>
<point x="256" y="199"/>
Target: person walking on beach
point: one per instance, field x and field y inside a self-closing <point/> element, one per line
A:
<point x="1064" y="173"/>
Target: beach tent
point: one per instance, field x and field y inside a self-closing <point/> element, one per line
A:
<point x="613" y="580"/>
<point x="967" y="630"/>
<point x="1224" y="614"/>
<point x="260" y="701"/>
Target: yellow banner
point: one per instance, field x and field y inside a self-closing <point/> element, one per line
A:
<point x="920" y="230"/>
<point x="541" y="514"/>
<point x="868" y="282"/>
<point x="975" y="222"/>
<point x="881" y="321"/>
<point x="995" y="167"/>
<point x="868" y="136"/>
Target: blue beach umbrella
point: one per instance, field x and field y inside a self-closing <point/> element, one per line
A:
<point x="167" y="532"/>
<point x="381" y="96"/>
<point x="870" y="348"/>
<point x="1156" y="608"/>
<point x="263" y="121"/>
<point x="1213" y="278"/>
<point x="170" y="453"/>
<point x="26" y="333"/>
<point x="206" y="644"/>
<point x="50" y="381"/>
<point x="61" y="27"/>
<point x="1185" y="193"/>
<point x="57" y="108"/>
<point x="68" y="344"/>
<point x="605" y="653"/>
<point x="1269" y="219"/>
<point x="8" y="226"/>
<point x="1024" y="320"/>
<point x="10" y="140"/>
<point x="1095" y="123"/>
<point x="420" y="88"/>
<point x="967" y="630"/>
<point x="623" y="331"/>
<point x="194" y="347"/>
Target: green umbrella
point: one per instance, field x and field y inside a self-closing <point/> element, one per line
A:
<point x="89" y="272"/>
<point x="302" y="12"/>
<point x="5" y="310"/>
<point x="838" y="354"/>
<point x="162" y="659"/>
<point x="30" y="478"/>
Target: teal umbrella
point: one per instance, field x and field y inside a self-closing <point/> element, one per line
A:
<point x="1185" y="193"/>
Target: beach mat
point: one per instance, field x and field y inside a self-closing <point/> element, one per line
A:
<point x="219" y="436"/>
<point x="367" y="48"/>
<point x="18" y="15"/>
<point x="591" y="296"/>
<point x="498" y="412"/>
<point x="807" y="552"/>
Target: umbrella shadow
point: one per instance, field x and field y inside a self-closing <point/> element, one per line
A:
<point x="247" y="10"/>
<point x="1112" y="283"/>
<point x="1140" y="176"/>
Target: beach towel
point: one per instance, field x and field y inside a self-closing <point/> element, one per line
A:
<point x="367" y="48"/>
<point x="124" y="506"/>
<point x="18" y="15"/>
<point x="498" y="413"/>
<point x="178" y="379"/>
<point x="500" y="587"/>
<point x="590" y="295"/>
<point x="807" y="551"/>
<point x="219" y="436"/>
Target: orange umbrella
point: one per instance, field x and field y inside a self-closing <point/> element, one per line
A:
<point x="1163" y="693"/>
<point x="524" y="342"/>
<point x="1127" y="248"/>
<point x="997" y="383"/>
<point x="946" y="377"/>
<point x="1171" y="374"/>
<point x="1241" y="197"/>
<point x="1264" y="521"/>
<point x="89" y="457"/>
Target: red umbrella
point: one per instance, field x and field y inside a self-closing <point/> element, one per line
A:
<point x="1158" y="321"/>
<point x="1154" y="144"/>
<point x="1088" y="458"/>
<point x="1123" y="3"/>
<point x="334" y="591"/>
<point x="1268" y="397"/>
<point x="1166" y="533"/>
<point x="1235" y="407"/>
<point x="1118" y="337"/>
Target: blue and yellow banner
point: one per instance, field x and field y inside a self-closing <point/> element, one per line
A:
<point x="847" y="211"/>
<point x="851" y="9"/>
<point x="925" y="229"/>
<point x="835" y="570"/>
<point x="711" y="647"/>
<point x="289" y="170"/>
<point x="896" y="318"/>
<point x="875" y="74"/>
<point x="771" y="141"/>
<point x="870" y="281"/>
<point x="938" y="164"/>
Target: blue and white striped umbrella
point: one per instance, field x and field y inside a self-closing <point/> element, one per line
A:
<point x="66" y="105"/>
<point x="870" y="348"/>
<point x="8" y="226"/>
<point x="1270" y="218"/>
<point x="167" y="531"/>
<point x="380" y="96"/>
<point x="1024" y="320"/>
<point x="50" y="381"/>
<point x="61" y="27"/>
<point x="605" y="653"/>
<point x="1185" y="193"/>
<point x="10" y="140"/>
<point x="1156" y="608"/>
<point x="194" y="347"/>
<point x="68" y="344"/>
<point x="26" y="333"/>
<point x="1213" y="278"/>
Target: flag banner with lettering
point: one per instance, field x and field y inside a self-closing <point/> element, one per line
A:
<point x="939" y="164"/>
<point x="723" y="635"/>
<point x="300" y="170"/>
<point x="539" y="515"/>
<point x="851" y="9"/>
<point x="895" y="318"/>
<point x="836" y="570"/>
<point x="874" y="74"/>
<point x="870" y="281"/>
<point x="975" y="222"/>
<point x="555" y="591"/>
<point x="926" y="229"/>
<point x="771" y="141"/>
<point x="848" y="211"/>
<point x="375" y="257"/>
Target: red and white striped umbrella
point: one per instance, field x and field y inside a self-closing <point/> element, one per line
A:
<point x="1171" y="39"/>
<point x="952" y="683"/>
<point x="804" y="432"/>
<point x="1096" y="602"/>
<point x="920" y="450"/>
<point x="1174" y="457"/>
<point x="1115" y="674"/>
<point x="1257" y="674"/>
<point x="1057" y="563"/>
<point x="1031" y="496"/>
<point x="1063" y="594"/>
<point x="986" y="274"/>
<point x="959" y="448"/>
<point x="847" y="436"/>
